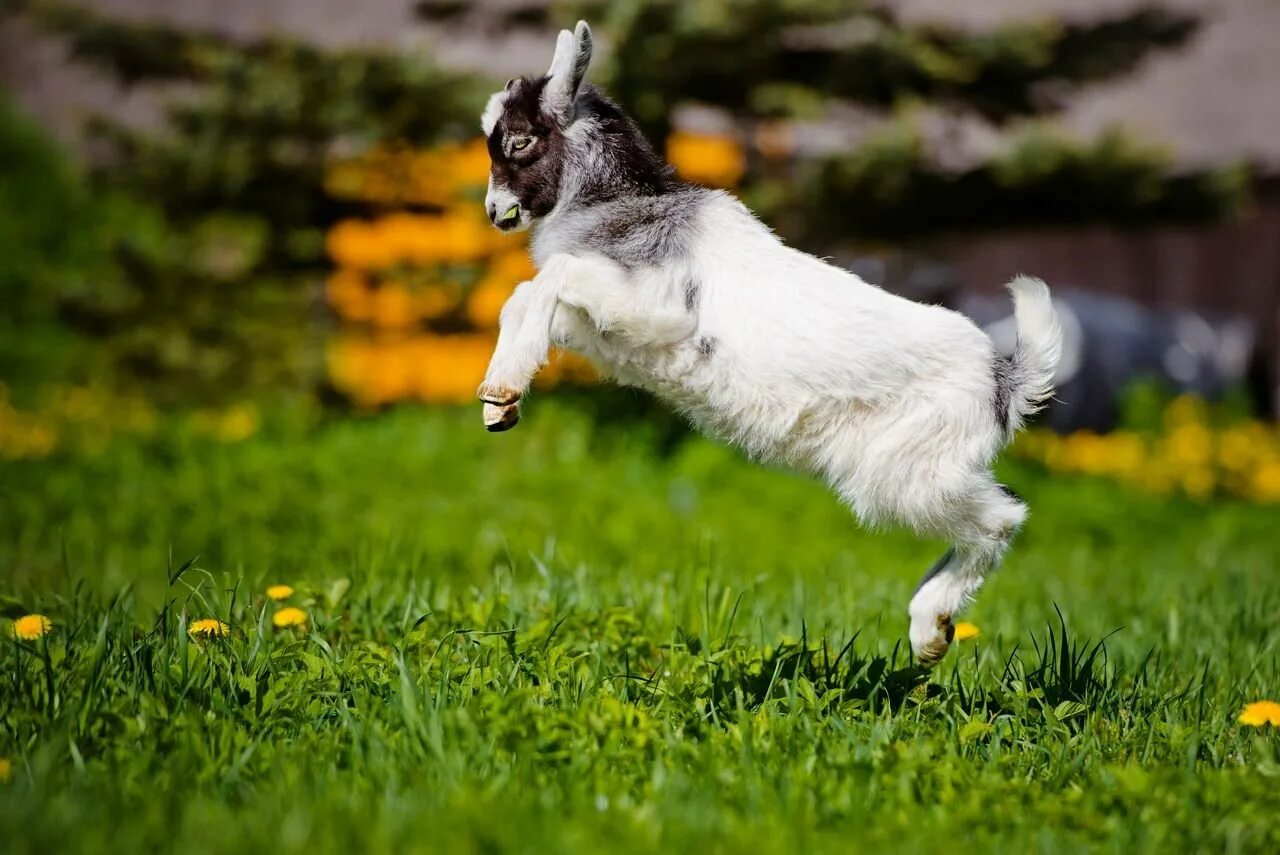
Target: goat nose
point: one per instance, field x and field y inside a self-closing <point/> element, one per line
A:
<point x="492" y="212"/>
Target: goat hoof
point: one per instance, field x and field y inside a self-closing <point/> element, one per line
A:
<point x="930" y="651"/>
<point x="501" y="418"/>
<point x="496" y="393"/>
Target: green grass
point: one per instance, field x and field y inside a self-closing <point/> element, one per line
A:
<point x="559" y="640"/>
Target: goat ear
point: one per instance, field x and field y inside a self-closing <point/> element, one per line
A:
<point x="568" y="68"/>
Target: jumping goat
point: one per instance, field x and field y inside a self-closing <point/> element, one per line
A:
<point x="678" y="289"/>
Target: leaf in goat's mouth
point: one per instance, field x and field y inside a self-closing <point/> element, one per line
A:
<point x="511" y="214"/>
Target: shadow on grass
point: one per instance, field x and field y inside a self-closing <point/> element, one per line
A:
<point x="1064" y="677"/>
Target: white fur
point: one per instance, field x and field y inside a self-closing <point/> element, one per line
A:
<point x="799" y="362"/>
<point x="568" y="65"/>
<point x="492" y="112"/>
<point x="1039" y="347"/>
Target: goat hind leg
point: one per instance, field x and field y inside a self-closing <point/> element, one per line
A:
<point x="980" y="538"/>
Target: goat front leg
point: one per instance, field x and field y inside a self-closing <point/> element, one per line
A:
<point x="596" y="287"/>
<point x="524" y="330"/>
<point x="524" y="340"/>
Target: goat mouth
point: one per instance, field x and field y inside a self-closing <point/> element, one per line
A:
<point x="508" y="219"/>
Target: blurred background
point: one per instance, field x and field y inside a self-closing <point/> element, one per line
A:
<point x="222" y="217"/>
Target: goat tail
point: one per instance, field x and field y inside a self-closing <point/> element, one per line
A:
<point x="1027" y="381"/>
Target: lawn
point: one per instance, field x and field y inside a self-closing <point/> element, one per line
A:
<point x="560" y="639"/>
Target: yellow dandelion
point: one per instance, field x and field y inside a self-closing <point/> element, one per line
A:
<point x="208" y="628"/>
<point x="280" y="592"/>
<point x="6" y="769"/>
<point x="966" y="631"/>
<point x="290" y="617"/>
<point x="31" y="627"/>
<point x="1259" y="713"/>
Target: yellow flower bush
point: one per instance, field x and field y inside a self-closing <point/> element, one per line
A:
<point x="418" y="293"/>
<point x="966" y="631"/>
<point x="414" y="239"/>
<point x="289" y="617"/>
<point x="505" y="272"/>
<point x="1189" y="455"/>
<point x="373" y="370"/>
<point x="6" y="769"/>
<point x="208" y="628"/>
<point x="31" y="627"/>
<point x="400" y="175"/>
<point x="713" y="159"/>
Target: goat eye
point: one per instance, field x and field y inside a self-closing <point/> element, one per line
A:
<point x="521" y="144"/>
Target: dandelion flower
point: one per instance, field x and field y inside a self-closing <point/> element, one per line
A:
<point x="280" y="592"/>
<point x="290" y="617"/>
<point x="1259" y="713"/>
<point x="31" y="627"/>
<point x="6" y="769"/>
<point x="208" y="628"/>
<point x="966" y="630"/>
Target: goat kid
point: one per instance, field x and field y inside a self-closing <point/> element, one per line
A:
<point x="679" y="290"/>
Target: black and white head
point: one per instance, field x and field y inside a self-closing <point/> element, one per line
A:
<point x="554" y="137"/>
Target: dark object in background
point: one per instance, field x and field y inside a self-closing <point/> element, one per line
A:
<point x="1109" y="342"/>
